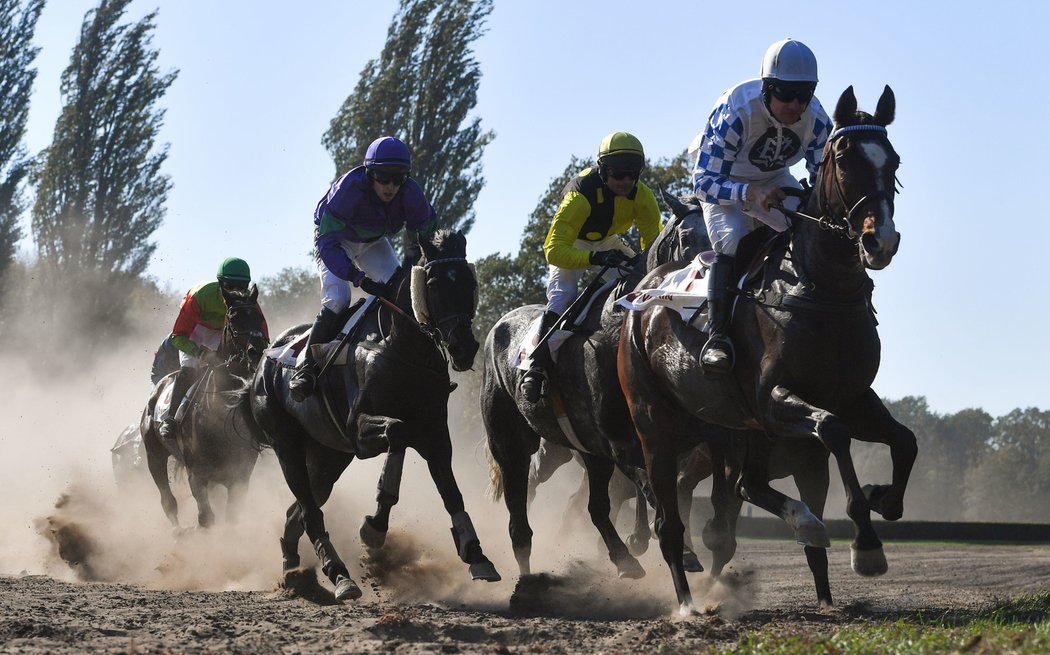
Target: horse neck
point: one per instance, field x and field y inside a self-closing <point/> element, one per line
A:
<point x="405" y="335"/>
<point x="827" y="261"/>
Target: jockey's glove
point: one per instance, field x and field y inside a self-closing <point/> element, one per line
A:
<point x="610" y="258"/>
<point x="370" y="286"/>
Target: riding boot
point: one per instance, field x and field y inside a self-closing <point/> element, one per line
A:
<point x="717" y="356"/>
<point x="169" y="427"/>
<point x="304" y="380"/>
<point x="532" y="381"/>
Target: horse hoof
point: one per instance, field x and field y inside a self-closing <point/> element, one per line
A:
<point x="629" y="569"/>
<point x="876" y="495"/>
<point x="370" y="535"/>
<point x="346" y="589"/>
<point x="868" y="563"/>
<point x="289" y="563"/>
<point x="812" y="534"/>
<point x="485" y="570"/>
<point x="686" y="609"/>
<point x="691" y="563"/>
<point x="637" y="545"/>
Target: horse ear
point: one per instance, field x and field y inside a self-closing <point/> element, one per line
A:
<point x="254" y="295"/>
<point x="846" y="109"/>
<point x="886" y="108"/>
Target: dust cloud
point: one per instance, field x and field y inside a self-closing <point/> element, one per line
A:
<point x="69" y="519"/>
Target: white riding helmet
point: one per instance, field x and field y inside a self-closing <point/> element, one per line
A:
<point x="789" y="61"/>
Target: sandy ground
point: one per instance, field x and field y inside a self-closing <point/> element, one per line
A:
<point x="140" y="587"/>
<point x="417" y="602"/>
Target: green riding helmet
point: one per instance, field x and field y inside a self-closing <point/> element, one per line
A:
<point x="621" y="151"/>
<point x="234" y="269"/>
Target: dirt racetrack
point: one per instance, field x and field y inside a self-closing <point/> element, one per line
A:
<point x="579" y="609"/>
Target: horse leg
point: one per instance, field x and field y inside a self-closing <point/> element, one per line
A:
<point x="720" y="531"/>
<point x="157" y="462"/>
<point x="297" y="474"/>
<point x="637" y="541"/>
<point x="691" y="470"/>
<point x="812" y="479"/>
<point x="199" y="487"/>
<point x="793" y="417"/>
<point x="869" y="420"/>
<point x="753" y="486"/>
<point x="388" y="492"/>
<point x="544" y="462"/>
<point x="654" y="422"/>
<point x="436" y="449"/>
<point x="326" y="467"/>
<point x="599" y="471"/>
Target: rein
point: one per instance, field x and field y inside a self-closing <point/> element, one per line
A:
<point x="842" y="225"/>
<point x="432" y="332"/>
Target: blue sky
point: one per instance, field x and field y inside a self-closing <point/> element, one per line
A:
<point x="960" y="309"/>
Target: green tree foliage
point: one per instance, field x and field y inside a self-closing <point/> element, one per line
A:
<point x="289" y="298"/>
<point x="17" y="26"/>
<point x="421" y="89"/>
<point x="100" y="192"/>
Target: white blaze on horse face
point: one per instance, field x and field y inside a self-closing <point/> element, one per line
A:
<point x="880" y="159"/>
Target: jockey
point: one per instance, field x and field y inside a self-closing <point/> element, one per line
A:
<point x="353" y="224"/>
<point x="756" y="132"/>
<point x="597" y="206"/>
<point x="198" y="331"/>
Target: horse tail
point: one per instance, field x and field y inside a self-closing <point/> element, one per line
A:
<point x="494" y="492"/>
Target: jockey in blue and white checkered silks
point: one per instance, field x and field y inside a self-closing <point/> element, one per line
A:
<point x="757" y="130"/>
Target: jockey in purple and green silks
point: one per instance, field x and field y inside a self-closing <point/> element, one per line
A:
<point x="198" y="330"/>
<point x="353" y="224"/>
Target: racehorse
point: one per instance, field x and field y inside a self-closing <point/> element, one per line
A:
<point x="807" y="348"/>
<point x="391" y="393"/>
<point x="215" y="440"/>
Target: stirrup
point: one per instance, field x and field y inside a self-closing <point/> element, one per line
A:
<point x="717" y="356"/>
<point x="531" y="385"/>
<point x="302" y="384"/>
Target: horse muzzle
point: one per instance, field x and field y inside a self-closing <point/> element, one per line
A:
<point x="462" y="347"/>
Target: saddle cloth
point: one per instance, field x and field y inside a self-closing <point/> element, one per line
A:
<point x="160" y="410"/>
<point x="521" y="357"/>
<point x="684" y="291"/>
<point x="291" y="353"/>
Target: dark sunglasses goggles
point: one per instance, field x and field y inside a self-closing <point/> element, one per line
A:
<point x="388" y="178"/>
<point x="623" y="175"/>
<point x="789" y="93"/>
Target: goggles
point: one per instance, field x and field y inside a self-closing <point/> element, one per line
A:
<point x="788" y="93"/>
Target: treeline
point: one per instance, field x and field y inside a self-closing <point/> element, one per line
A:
<point x="94" y="197"/>
<point x="971" y="466"/>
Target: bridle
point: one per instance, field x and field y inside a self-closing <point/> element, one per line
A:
<point x="425" y="324"/>
<point x="840" y="224"/>
<point x="233" y="336"/>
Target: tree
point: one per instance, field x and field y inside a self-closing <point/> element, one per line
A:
<point x="100" y="192"/>
<point x="421" y="89"/>
<point x="16" y="86"/>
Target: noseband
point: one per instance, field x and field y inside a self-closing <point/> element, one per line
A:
<point x="842" y="225"/>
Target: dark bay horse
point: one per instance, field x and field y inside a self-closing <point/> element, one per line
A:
<point x="216" y="440"/>
<point x="806" y="342"/>
<point x="392" y="392"/>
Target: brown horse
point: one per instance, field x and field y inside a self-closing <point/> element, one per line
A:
<point x="807" y="349"/>
<point x="217" y="440"/>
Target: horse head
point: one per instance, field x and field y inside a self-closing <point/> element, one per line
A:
<point x="243" y="334"/>
<point x="445" y="294"/>
<point x="858" y="177"/>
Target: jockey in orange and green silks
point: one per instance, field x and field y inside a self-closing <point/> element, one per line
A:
<point x="198" y="331"/>
<point x="203" y="310"/>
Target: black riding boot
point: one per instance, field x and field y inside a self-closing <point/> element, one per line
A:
<point x="183" y="380"/>
<point x="532" y="381"/>
<point x="717" y="355"/>
<point x="326" y="327"/>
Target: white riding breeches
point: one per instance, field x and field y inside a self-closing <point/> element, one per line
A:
<point x="563" y="284"/>
<point x="376" y="259"/>
<point x="728" y="224"/>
